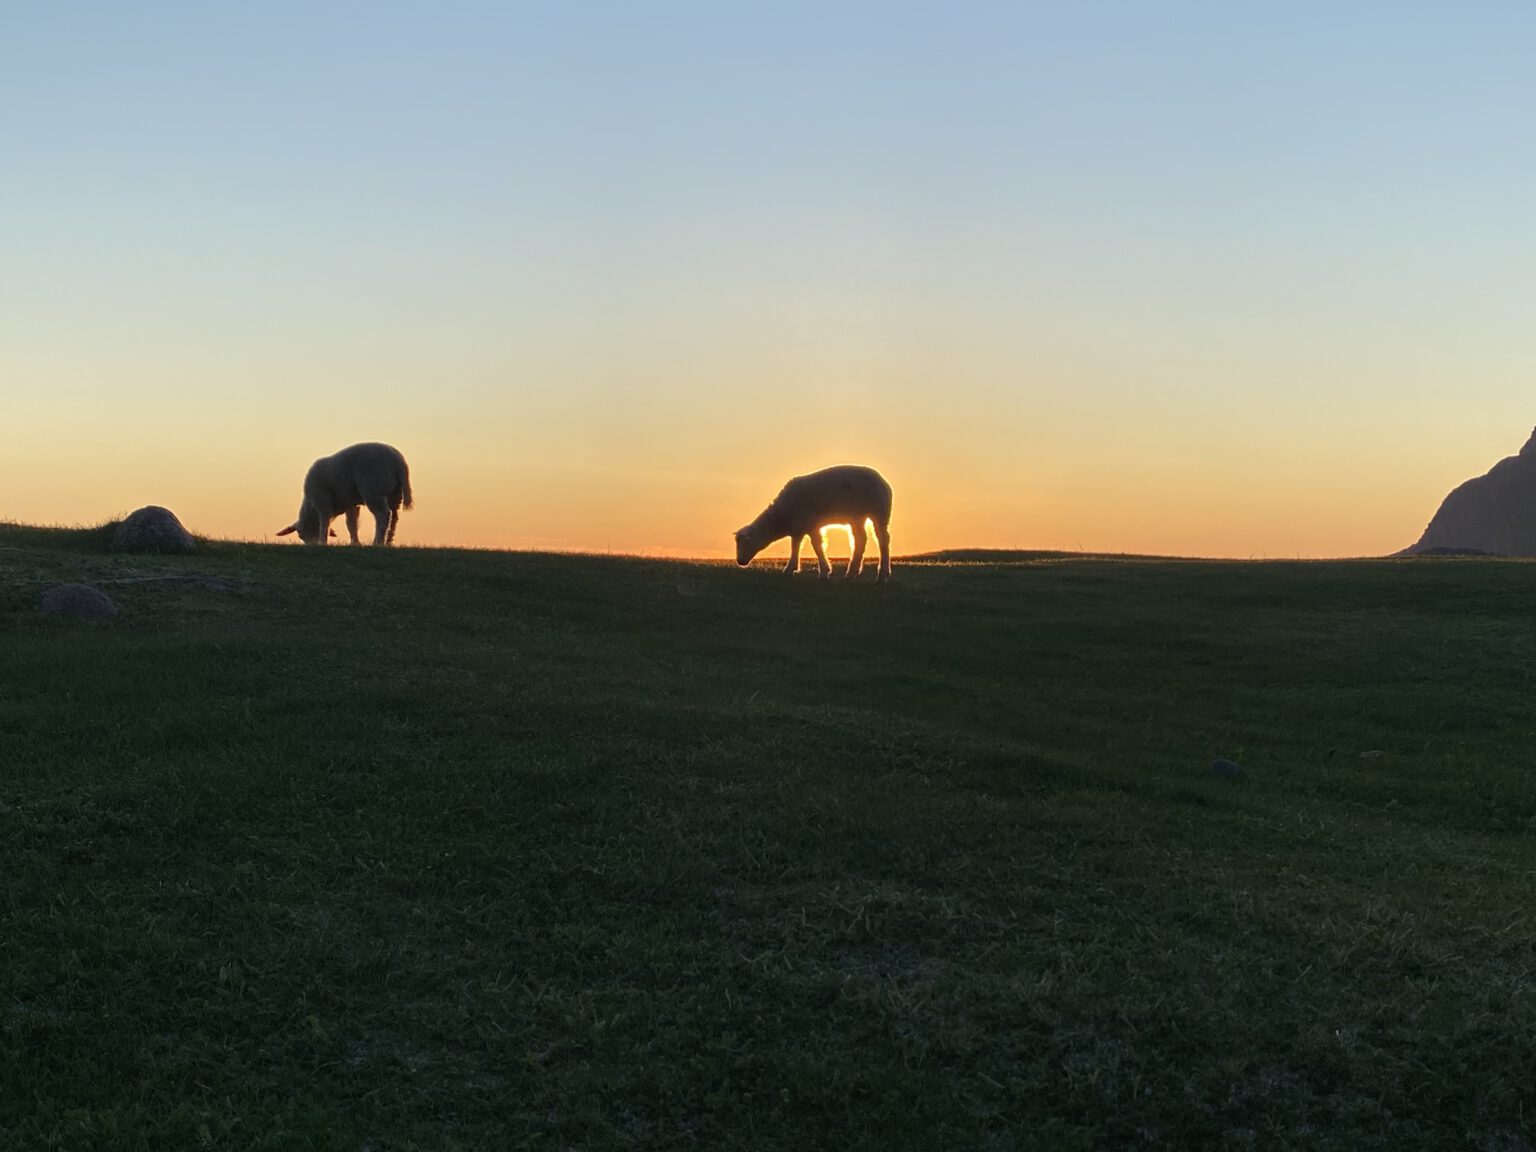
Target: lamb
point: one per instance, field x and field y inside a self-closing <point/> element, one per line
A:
<point x="371" y="474"/>
<point x="847" y="494"/>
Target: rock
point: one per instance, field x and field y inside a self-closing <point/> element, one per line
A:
<point x="77" y="601"/>
<point x="152" y="529"/>
<point x="1227" y="769"/>
<point x="1492" y="514"/>
<point x="1373" y="754"/>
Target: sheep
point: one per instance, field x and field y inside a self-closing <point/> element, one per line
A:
<point x="847" y="494"/>
<point x="371" y="474"/>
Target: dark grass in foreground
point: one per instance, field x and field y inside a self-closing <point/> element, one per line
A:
<point x="433" y="849"/>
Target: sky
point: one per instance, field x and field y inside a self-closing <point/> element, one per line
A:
<point x="1187" y="278"/>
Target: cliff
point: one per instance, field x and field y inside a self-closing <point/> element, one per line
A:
<point x="1495" y="512"/>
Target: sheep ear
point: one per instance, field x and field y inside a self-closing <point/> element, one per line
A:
<point x="288" y="530"/>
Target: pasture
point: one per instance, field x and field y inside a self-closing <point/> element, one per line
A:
<point x="349" y="849"/>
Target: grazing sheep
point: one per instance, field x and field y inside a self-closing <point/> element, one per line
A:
<point x="847" y="494"/>
<point x="371" y="474"/>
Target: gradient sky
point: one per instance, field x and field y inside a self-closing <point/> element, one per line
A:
<point x="1192" y="278"/>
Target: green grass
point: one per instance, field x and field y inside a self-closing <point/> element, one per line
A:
<point x="358" y="849"/>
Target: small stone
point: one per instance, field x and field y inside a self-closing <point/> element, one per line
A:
<point x="77" y="601"/>
<point x="152" y="529"/>
<point x="1227" y="769"/>
<point x="1372" y="754"/>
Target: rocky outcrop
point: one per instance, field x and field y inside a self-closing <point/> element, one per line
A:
<point x="1494" y="513"/>
<point x="152" y="529"/>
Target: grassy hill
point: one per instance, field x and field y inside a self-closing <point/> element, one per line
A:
<point x="353" y="849"/>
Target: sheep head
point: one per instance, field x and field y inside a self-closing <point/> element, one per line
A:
<point x="307" y="525"/>
<point x="748" y="545"/>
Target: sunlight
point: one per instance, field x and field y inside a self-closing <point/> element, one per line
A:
<point x="840" y="528"/>
<point x="846" y="532"/>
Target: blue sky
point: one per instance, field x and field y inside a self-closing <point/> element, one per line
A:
<point x="990" y="247"/>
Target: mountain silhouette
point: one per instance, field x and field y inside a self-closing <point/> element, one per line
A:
<point x="1494" y="513"/>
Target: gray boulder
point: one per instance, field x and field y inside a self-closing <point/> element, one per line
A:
<point x="78" y="602"/>
<point x="1224" y="769"/>
<point x="1491" y="514"/>
<point x="152" y="529"/>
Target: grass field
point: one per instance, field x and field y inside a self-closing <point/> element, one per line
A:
<point x="425" y="849"/>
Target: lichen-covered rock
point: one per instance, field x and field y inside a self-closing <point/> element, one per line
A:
<point x="152" y="529"/>
<point x="1493" y="513"/>
<point x="77" y="601"/>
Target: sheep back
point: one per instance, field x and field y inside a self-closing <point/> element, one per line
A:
<point x="359" y="474"/>
<point x="842" y="494"/>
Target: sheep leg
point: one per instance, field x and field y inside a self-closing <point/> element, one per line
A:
<point x="352" y="523"/>
<point x="794" y="554"/>
<point x="380" y="510"/>
<point x="394" y="522"/>
<point x="823" y="569"/>
<point x="883" y="535"/>
<point x="860" y="539"/>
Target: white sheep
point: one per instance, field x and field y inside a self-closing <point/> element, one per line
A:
<point x="847" y="494"/>
<point x="375" y="475"/>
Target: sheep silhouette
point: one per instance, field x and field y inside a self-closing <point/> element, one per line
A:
<point x="371" y="475"/>
<point x="846" y="494"/>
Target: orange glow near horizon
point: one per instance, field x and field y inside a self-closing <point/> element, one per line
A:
<point x="635" y="453"/>
<point x="1176" y="507"/>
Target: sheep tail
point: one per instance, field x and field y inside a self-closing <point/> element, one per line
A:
<point x="405" y="488"/>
